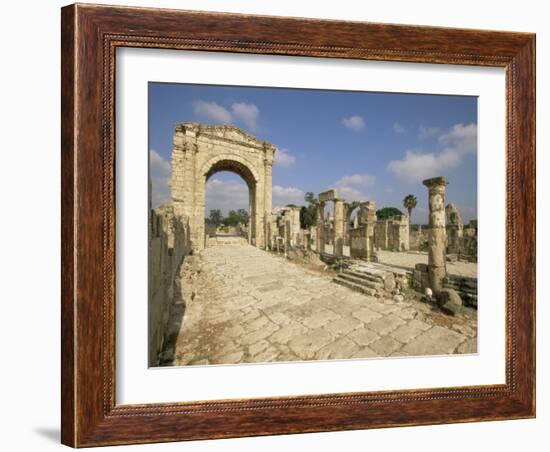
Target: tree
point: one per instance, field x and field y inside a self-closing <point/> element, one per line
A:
<point x="215" y="217"/>
<point x="310" y="198"/>
<point x="234" y="217"/>
<point x="242" y="215"/>
<point x="231" y="218"/>
<point x="409" y="202"/>
<point x="308" y="214"/>
<point x="387" y="212"/>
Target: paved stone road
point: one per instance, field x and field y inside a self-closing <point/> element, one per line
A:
<point x="245" y="305"/>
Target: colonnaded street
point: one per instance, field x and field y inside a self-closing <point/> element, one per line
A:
<point x="241" y="304"/>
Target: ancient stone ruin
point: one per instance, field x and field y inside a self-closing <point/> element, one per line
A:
<point x="392" y="233"/>
<point x="437" y="262"/>
<point x="367" y="254"/>
<point x="199" y="152"/>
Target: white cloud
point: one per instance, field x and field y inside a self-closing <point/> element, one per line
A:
<point x="352" y="188"/>
<point x="213" y="111"/>
<point x="356" y="123"/>
<point x="359" y="180"/>
<point x="398" y="128"/>
<point x="427" y="132"/>
<point x="287" y="195"/>
<point x="240" y="112"/>
<point x="226" y="195"/>
<point x="352" y="194"/>
<point x="233" y="194"/>
<point x="284" y="158"/>
<point x="247" y="114"/>
<point x="416" y="165"/>
<point x="461" y="137"/>
<point x="159" y="173"/>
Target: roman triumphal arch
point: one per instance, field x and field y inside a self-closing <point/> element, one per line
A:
<point x="202" y="150"/>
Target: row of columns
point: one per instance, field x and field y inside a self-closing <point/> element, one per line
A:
<point x="338" y="229"/>
<point x="368" y="216"/>
<point x="437" y="266"/>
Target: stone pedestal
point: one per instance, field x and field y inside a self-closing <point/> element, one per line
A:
<point x="437" y="269"/>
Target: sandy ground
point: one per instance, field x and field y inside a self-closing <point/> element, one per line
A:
<point x="408" y="260"/>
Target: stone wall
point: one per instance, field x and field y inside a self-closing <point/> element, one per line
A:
<point x="272" y="231"/>
<point x="454" y="228"/>
<point x="169" y="243"/>
<point x="468" y="241"/>
<point x="461" y="239"/>
<point x="210" y="229"/>
<point x="291" y="219"/>
<point x="465" y="287"/>
<point x="418" y="237"/>
<point x="361" y="243"/>
<point x="420" y="277"/>
<point x="283" y="229"/>
<point x="392" y="234"/>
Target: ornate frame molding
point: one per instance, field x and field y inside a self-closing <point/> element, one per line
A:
<point x="90" y="37"/>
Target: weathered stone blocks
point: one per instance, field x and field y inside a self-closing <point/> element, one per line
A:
<point x="436" y="235"/>
<point x="202" y="150"/>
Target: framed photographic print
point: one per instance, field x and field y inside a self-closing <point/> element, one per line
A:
<point x="281" y="225"/>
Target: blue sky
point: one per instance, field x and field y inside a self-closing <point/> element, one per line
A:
<point x="369" y="146"/>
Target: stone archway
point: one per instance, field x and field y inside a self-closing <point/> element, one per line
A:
<point x="202" y="150"/>
<point x="237" y="165"/>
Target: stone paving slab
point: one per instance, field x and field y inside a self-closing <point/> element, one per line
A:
<point x="250" y="306"/>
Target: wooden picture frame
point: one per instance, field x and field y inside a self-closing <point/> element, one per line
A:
<point x="90" y="36"/>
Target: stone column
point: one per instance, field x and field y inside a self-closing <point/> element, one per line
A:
<point x="251" y="214"/>
<point x="320" y="236"/>
<point x="368" y="217"/>
<point x="338" y="242"/>
<point x="437" y="268"/>
<point x="268" y="177"/>
<point x="347" y="214"/>
<point x="287" y="236"/>
<point x="454" y="228"/>
<point x="295" y="219"/>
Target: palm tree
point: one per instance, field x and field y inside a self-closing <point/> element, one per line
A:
<point x="409" y="202"/>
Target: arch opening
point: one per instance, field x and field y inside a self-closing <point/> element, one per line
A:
<point x="244" y="211"/>
<point x="228" y="205"/>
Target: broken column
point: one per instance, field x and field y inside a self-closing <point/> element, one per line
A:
<point x="367" y="215"/>
<point x="437" y="269"/>
<point x="295" y="226"/>
<point x="454" y="228"/>
<point x="287" y="236"/>
<point x="320" y="236"/>
<point x="329" y="195"/>
<point x="338" y="228"/>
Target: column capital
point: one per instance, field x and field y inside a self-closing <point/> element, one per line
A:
<point x="435" y="182"/>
